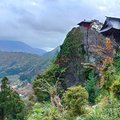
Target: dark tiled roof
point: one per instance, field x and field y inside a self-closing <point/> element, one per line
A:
<point x="111" y="24"/>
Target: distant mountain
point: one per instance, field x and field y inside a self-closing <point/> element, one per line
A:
<point x="17" y="46"/>
<point x="24" y="65"/>
<point x="51" y="54"/>
<point x="19" y="59"/>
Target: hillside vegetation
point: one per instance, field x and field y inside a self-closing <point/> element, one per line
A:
<point x="77" y="89"/>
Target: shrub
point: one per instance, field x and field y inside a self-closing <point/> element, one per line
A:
<point x="116" y="87"/>
<point x="110" y="112"/>
<point x="109" y="77"/>
<point x="45" y="81"/>
<point x="117" y="64"/>
<point x="38" y="111"/>
<point x="53" y="114"/>
<point x="75" y="98"/>
<point x="44" y="111"/>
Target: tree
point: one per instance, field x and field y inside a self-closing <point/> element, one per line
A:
<point x="11" y="106"/>
<point x="91" y="87"/>
<point x="18" y="107"/>
<point x="47" y="85"/>
<point x="4" y="98"/>
<point x="51" y="90"/>
<point x="75" y="98"/>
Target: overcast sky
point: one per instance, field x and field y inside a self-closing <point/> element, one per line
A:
<point x="45" y="23"/>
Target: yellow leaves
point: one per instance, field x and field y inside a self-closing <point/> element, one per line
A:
<point x="109" y="45"/>
<point x="109" y="51"/>
<point x="105" y="54"/>
<point x="108" y="60"/>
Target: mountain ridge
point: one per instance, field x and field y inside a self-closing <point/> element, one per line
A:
<point x="18" y="46"/>
<point x="25" y="65"/>
<point x="19" y="63"/>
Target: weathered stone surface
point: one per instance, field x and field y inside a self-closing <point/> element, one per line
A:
<point x="74" y="52"/>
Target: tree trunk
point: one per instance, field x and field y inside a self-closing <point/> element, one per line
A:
<point x="56" y="102"/>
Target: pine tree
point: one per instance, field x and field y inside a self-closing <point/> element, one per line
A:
<point x="11" y="106"/>
<point x="91" y="87"/>
<point x="4" y="98"/>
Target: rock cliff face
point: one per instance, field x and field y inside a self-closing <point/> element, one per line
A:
<point x="91" y="39"/>
<point x="74" y="52"/>
<point x="70" y="57"/>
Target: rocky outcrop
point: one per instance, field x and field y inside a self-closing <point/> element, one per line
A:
<point x="74" y="52"/>
<point x="70" y="57"/>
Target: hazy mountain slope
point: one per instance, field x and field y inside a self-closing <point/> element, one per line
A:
<point x="17" y="46"/>
<point x="23" y="64"/>
<point x="52" y="53"/>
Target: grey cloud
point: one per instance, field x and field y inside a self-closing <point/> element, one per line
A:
<point x="45" y="23"/>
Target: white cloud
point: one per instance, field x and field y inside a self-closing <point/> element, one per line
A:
<point x="102" y="8"/>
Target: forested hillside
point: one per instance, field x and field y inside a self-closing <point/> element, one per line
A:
<point x="26" y="66"/>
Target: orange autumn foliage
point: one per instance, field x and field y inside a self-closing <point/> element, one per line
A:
<point x="106" y="54"/>
<point x="108" y="59"/>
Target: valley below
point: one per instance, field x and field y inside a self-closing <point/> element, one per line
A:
<point x="22" y="67"/>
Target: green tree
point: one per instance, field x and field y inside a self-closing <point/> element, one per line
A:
<point x="5" y="96"/>
<point x="91" y="87"/>
<point x="46" y="81"/>
<point x="11" y="106"/>
<point x="17" y="111"/>
<point x="109" y="78"/>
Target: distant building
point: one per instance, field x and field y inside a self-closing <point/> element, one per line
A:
<point x="86" y="24"/>
<point x="111" y="28"/>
